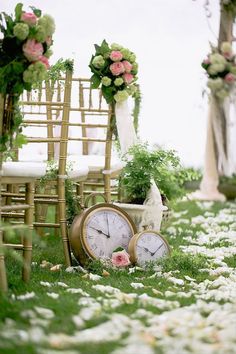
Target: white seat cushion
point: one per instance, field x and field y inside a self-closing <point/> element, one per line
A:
<point x="77" y="171"/>
<point x="23" y="169"/>
<point x="96" y="162"/>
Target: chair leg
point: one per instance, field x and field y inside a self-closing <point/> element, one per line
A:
<point x="62" y="220"/>
<point x="3" y="275"/>
<point x="27" y="239"/>
<point x="107" y="187"/>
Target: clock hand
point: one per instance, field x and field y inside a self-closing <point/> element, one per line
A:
<point x="100" y="231"/>
<point x="108" y="226"/>
<point x="152" y="253"/>
<point x="145" y="249"/>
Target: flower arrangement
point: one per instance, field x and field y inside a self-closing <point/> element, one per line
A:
<point x="221" y="70"/>
<point x="115" y="69"/>
<point x="24" y="52"/>
<point x="120" y="258"/>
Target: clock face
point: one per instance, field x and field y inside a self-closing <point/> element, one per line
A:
<point x="150" y="246"/>
<point x="105" y="229"/>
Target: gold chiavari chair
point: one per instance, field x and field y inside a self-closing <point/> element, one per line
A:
<point x="92" y="121"/>
<point x="41" y="116"/>
<point x="14" y="173"/>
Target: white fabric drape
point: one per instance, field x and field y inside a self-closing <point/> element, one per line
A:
<point x="220" y="147"/>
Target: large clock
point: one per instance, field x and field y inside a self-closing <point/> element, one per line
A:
<point x="99" y="230"/>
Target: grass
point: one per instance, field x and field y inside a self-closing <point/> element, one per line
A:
<point x="19" y="317"/>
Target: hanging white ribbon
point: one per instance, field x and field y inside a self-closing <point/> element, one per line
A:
<point x="127" y="137"/>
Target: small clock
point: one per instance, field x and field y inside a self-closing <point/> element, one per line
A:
<point x="99" y="230"/>
<point x="147" y="246"/>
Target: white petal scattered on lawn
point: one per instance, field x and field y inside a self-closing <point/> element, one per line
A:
<point x="106" y="289"/>
<point x="77" y="291"/>
<point x="61" y="284"/>
<point x="46" y="283"/>
<point x="26" y="296"/>
<point x="53" y="295"/>
<point x="78" y="321"/>
<point x="91" y="276"/>
<point x="43" y="312"/>
<point x="137" y="285"/>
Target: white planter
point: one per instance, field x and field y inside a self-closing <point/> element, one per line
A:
<point x="144" y="216"/>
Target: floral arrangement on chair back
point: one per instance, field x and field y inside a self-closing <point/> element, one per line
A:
<point x="115" y="69"/>
<point x="220" y="67"/>
<point x="24" y="52"/>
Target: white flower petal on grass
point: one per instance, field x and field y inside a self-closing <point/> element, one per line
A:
<point x="78" y="321"/>
<point x="106" y="289"/>
<point x="91" y="312"/>
<point x="176" y="281"/>
<point x="63" y="285"/>
<point x="53" y="295"/>
<point x="26" y="296"/>
<point x="137" y="285"/>
<point x="45" y="283"/>
<point x="77" y="291"/>
<point x="39" y="322"/>
<point x="44" y="312"/>
<point x="94" y="277"/>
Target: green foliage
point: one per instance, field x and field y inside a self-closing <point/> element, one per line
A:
<point x="185" y="263"/>
<point x="229" y="6"/>
<point x="144" y="165"/>
<point x="60" y="67"/>
<point x="72" y="200"/>
<point x="20" y="68"/>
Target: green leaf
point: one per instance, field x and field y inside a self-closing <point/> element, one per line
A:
<point x="37" y="12"/>
<point x="95" y="80"/>
<point x="104" y="47"/>
<point x="18" y="67"/>
<point x="18" y="11"/>
<point x="108" y="94"/>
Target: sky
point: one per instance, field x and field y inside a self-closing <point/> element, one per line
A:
<point x="170" y="39"/>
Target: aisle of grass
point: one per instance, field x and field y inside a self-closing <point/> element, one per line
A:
<point x="172" y="307"/>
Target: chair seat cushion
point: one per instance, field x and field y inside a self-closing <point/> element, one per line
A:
<point x="23" y="169"/>
<point x="96" y="163"/>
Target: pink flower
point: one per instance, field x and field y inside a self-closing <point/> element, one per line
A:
<point x="117" y="68"/>
<point x="29" y="18"/>
<point x="229" y="78"/>
<point x="120" y="259"/>
<point x="127" y="65"/>
<point x="116" y="55"/>
<point x="32" y="50"/>
<point x="206" y="61"/>
<point x="128" y="78"/>
<point x="228" y="55"/>
<point x="45" y="61"/>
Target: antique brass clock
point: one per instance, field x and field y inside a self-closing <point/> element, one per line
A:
<point x="99" y="230"/>
<point x="147" y="246"/>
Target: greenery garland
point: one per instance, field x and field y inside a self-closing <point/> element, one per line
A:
<point x="229" y="6"/>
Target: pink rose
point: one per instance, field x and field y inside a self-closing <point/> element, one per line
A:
<point x="45" y="61"/>
<point x="128" y="78"/>
<point x="229" y="78"/>
<point x="116" y="55"/>
<point x="206" y="61"/>
<point x="32" y="50"/>
<point x="29" y="18"/>
<point x="117" y="68"/>
<point x="228" y="55"/>
<point x="127" y="65"/>
<point x="120" y="259"/>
